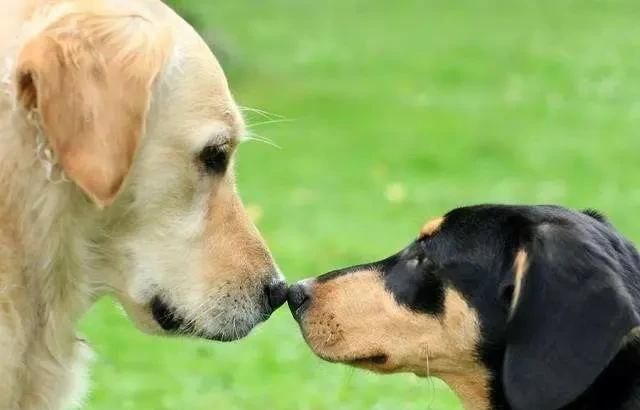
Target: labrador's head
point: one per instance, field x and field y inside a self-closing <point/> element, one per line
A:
<point x="139" y="115"/>
<point x="518" y="305"/>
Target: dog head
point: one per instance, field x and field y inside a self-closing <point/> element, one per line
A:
<point x="138" y="114"/>
<point x="523" y="304"/>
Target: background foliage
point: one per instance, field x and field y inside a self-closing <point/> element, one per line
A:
<point x="387" y="113"/>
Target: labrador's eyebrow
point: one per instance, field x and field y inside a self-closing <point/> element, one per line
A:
<point x="218" y="133"/>
<point x="220" y="138"/>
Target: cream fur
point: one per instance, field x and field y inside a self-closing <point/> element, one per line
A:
<point x="170" y="231"/>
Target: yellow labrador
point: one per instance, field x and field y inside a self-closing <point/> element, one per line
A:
<point x="117" y="136"/>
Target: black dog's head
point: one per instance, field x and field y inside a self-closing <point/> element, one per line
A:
<point x="526" y="305"/>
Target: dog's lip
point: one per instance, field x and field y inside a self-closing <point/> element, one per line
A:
<point x="172" y="323"/>
<point x="369" y="360"/>
<point x="166" y="317"/>
<point x="364" y="360"/>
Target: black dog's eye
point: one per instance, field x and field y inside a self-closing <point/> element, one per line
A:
<point x="214" y="158"/>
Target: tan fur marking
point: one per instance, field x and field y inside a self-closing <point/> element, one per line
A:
<point x="520" y="267"/>
<point x="431" y="228"/>
<point x="353" y="317"/>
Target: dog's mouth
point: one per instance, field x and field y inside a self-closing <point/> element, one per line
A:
<point x="166" y="316"/>
<point x="373" y="361"/>
<point x="175" y="324"/>
<point x="367" y="361"/>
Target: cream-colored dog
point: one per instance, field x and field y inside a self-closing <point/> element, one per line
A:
<point x="117" y="133"/>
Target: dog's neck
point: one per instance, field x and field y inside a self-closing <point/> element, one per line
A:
<point x="49" y="219"/>
<point x="44" y="277"/>
<point x="616" y="388"/>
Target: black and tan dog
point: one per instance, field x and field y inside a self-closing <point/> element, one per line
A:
<point x="515" y="307"/>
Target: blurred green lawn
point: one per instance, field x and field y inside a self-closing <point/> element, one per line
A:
<point x="395" y="111"/>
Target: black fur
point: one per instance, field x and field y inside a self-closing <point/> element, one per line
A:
<point x="595" y="214"/>
<point x="413" y="282"/>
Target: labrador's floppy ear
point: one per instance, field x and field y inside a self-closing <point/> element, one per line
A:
<point x="89" y="77"/>
<point x="570" y="314"/>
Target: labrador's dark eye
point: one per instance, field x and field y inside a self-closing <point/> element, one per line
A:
<point x="214" y="158"/>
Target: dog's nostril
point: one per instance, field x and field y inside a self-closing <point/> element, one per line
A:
<point x="298" y="298"/>
<point x="276" y="294"/>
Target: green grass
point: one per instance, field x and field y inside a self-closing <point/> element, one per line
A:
<point x="398" y="111"/>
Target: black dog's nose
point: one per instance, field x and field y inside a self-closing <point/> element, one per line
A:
<point x="298" y="298"/>
<point x="276" y="293"/>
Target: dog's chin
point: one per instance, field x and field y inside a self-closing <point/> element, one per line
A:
<point x="173" y="324"/>
<point x="375" y="361"/>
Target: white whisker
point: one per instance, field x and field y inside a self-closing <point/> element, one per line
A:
<point x="269" y="122"/>
<point x="262" y="113"/>
<point x="258" y="138"/>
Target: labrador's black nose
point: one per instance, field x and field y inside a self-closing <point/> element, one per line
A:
<point x="298" y="298"/>
<point x="276" y="294"/>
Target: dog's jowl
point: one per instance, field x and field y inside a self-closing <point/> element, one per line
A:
<point x="515" y="307"/>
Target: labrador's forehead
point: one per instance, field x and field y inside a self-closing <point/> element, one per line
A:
<point x="201" y="103"/>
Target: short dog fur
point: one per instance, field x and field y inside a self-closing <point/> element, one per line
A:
<point x="117" y="136"/>
<point x="515" y="307"/>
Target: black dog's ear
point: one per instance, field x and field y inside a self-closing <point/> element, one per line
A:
<point x="569" y="316"/>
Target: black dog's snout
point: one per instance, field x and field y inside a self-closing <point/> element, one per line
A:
<point x="276" y="294"/>
<point x="298" y="298"/>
